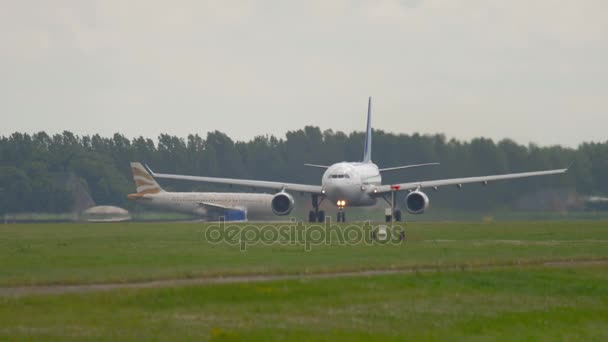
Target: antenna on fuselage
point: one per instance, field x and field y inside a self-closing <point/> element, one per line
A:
<point x="367" y="149"/>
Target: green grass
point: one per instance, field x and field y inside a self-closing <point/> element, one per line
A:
<point x="522" y="301"/>
<point x="126" y="252"/>
<point x="515" y="304"/>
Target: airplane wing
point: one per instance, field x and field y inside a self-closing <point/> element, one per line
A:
<point x="278" y="186"/>
<point x="216" y="207"/>
<point x="317" y="166"/>
<point x="405" y="167"/>
<point x="229" y="213"/>
<point x="459" y="181"/>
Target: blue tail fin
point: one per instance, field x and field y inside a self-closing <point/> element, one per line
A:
<point x="367" y="151"/>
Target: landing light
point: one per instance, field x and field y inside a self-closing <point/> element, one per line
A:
<point x="341" y="203"/>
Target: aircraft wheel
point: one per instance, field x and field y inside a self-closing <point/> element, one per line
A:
<point x="343" y="216"/>
<point x="398" y="215"/>
<point x="311" y="216"/>
<point x="321" y="216"/>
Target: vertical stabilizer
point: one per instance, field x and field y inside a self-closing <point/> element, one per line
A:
<point x="143" y="180"/>
<point x="367" y="150"/>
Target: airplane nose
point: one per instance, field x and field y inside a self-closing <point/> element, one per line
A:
<point x="337" y="192"/>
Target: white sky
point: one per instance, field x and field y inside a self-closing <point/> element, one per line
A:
<point x="531" y="70"/>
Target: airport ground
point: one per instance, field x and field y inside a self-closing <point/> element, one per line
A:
<point x="353" y="215"/>
<point x="447" y="281"/>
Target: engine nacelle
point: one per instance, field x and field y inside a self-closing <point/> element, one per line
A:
<point x="416" y="202"/>
<point x="282" y="204"/>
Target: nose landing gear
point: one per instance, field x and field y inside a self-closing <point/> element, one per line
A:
<point x="341" y="215"/>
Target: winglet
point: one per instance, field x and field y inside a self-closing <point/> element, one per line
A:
<point x="367" y="150"/>
<point x="569" y="166"/>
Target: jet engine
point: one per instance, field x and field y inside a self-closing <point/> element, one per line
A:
<point x="416" y="202"/>
<point x="282" y="204"/>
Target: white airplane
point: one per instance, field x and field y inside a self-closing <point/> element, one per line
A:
<point x="355" y="184"/>
<point x="212" y="205"/>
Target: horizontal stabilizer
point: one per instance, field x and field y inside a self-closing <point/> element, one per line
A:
<point x="406" y="167"/>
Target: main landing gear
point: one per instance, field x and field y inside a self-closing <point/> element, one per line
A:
<point x="396" y="215"/>
<point x="316" y="215"/>
<point x="392" y="213"/>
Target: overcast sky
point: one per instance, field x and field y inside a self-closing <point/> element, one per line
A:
<point x="531" y="70"/>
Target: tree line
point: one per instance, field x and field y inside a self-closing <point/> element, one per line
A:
<point x="34" y="167"/>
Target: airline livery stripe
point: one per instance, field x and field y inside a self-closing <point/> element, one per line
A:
<point x="140" y="173"/>
<point x="147" y="187"/>
<point x="138" y="178"/>
<point x="148" y="192"/>
<point x="144" y="183"/>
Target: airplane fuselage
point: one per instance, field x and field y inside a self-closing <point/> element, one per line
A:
<point x="352" y="183"/>
<point x="194" y="202"/>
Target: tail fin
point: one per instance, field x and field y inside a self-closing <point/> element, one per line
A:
<point x="367" y="150"/>
<point x="143" y="181"/>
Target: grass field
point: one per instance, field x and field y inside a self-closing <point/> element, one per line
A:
<point x="93" y="253"/>
<point x="521" y="299"/>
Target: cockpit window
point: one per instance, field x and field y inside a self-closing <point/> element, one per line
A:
<point x="340" y="176"/>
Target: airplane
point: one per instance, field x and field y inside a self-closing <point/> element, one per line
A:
<point x="356" y="184"/>
<point x="212" y="205"/>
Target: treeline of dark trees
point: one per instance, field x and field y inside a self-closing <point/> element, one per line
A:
<point x="33" y="168"/>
